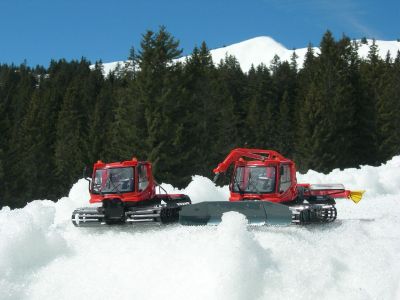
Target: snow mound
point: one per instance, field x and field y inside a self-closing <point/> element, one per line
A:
<point x="28" y="241"/>
<point x="382" y="180"/>
<point x="356" y="257"/>
<point x="201" y="189"/>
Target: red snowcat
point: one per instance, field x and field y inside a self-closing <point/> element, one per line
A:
<point x="125" y="192"/>
<point x="264" y="188"/>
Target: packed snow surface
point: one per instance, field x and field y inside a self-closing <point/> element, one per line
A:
<point x="262" y="49"/>
<point x="43" y="256"/>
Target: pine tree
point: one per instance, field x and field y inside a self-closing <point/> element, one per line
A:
<point x="308" y="147"/>
<point x="388" y="111"/>
<point x="158" y="89"/>
<point x="371" y="74"/>
<point x="19" y="86"/>
<point x="68" y="154"/>
<point x="228" y="87"/>
<point x="201" y="102"/>
<point x="344" y="106"/>
<point x="328" y="107"/>
<point x="120" y="135"/>
<point x="285" y="127"/>
<point x="100" y="121"/>
<point x="293" y="62"/>
<point x="36" y="150"/>
<point x="362" y="132"/>
<point x="284" y="83"/>
<point x="260" y="127"/>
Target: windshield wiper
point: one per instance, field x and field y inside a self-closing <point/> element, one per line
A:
<point x="237" y="185"/>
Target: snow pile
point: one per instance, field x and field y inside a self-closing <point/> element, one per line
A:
<point x="263" y="49"/>
<point x="42" y="255"/>
<point x="28" y="242"/>
<point x="201" y="189"/>
<point x="382" y="180"/>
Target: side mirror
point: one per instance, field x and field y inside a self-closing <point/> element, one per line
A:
<point x="216" y="177"/>
<point x="87" y="177"/>
<point x="85" y="173"/>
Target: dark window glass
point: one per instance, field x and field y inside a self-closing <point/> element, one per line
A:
<point x="254" y="180"/>
<point x="143" y="178"/>
<point x="285" y="179"/>
<point x="114" y="180"/>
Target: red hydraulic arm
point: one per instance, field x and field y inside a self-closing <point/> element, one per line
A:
<point x="236" y="154"/>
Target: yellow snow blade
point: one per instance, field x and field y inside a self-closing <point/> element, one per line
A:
<point x="356" y="196"/>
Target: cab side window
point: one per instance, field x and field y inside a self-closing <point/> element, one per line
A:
<point x="285" y="178"/>
<point x="143" y="178"/>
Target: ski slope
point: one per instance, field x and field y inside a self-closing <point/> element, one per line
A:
<point x="262" y="49"/>
<point x="43" y="256"/>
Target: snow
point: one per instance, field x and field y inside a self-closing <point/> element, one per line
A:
<point x="263" y="49"/>
<point x="42" y="255"/>
<point x="254" y="51"/>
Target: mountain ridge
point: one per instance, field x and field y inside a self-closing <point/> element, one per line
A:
<point x="262" y="49"/>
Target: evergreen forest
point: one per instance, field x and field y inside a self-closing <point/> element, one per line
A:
<point x="337" y="111"/>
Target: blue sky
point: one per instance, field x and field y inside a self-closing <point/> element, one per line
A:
<point x="41" y="30"/>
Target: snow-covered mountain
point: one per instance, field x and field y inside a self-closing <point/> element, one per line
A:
<point x="263" y="49"/>
<point x="43" y="256"/>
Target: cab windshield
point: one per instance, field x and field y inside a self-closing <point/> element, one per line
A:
<point x="254" y="179"/>
<point x="113" y="180"/>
